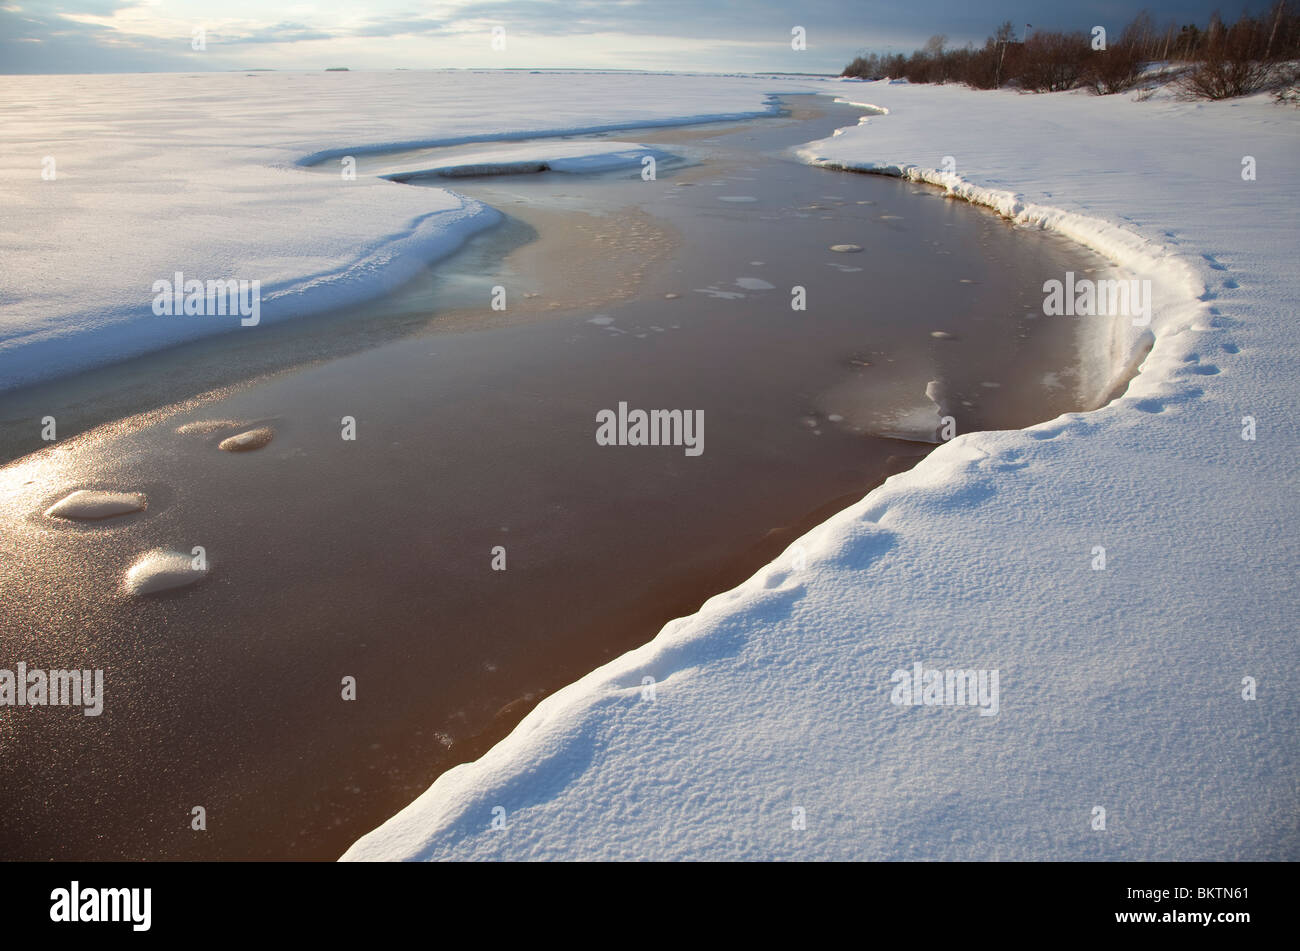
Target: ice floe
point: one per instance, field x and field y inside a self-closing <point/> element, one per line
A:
<point x="248" y="441"/>
<point x="97" y="504"/>
<point x="163" y="570"/>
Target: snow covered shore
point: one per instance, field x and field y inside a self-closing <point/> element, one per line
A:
<point x="110" y="183"/>
<point x="1130" y="573"/>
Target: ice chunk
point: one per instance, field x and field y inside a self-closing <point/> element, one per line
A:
<point x="935" y="393"/>
<point x="93" y="503"/>
<point x="248" y="441"/>
<point x="204" y="426"/>
<point x="162" y="570"/>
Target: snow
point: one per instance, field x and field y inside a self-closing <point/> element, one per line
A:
<point x="162" y="570"/>
<point x="204" y="174"/>
<point x="586" y="157"/>
<point x="762" y="726"/>
<point x="248" y="441"/>
<point x="96" y="504"/>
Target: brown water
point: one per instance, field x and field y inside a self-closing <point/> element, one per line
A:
<point x="373" y="558"/>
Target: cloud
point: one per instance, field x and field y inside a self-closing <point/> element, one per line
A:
<point x="399" y="26"/>
<point x="140" y="35"/>
<point x="279" y="33"/>
<point x="99" y="8"/>
<point x="36" y="42"/>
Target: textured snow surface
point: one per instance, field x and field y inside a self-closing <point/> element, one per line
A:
<point x="203" y="175"/>
<point x="1119" y="688"/>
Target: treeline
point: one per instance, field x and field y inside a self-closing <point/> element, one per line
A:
<point x="1218" y="62"/>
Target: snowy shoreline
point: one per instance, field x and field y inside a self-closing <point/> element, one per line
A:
<point x="762" y="727"/>
<point x="114" y="182"/>
<point x="1115" y="344"/>
<point x="766" y="728"/>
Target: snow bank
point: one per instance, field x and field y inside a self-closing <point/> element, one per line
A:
<point x="110" y="183"/>
<point x="563" y="156"/>
<point x="1130" y="573"/>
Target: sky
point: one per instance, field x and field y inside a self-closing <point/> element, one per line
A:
<point x="88" y="36"/>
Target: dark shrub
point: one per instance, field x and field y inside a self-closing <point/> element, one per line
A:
<point x="1115" y="69"/>
<point x="1052" y="62"/>
<point x="1231" y="61"/>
